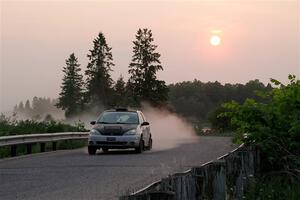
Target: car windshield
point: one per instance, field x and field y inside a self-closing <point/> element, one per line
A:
<point x="118" y="118"/>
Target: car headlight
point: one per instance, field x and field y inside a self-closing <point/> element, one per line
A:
<point x="94" y="132"/>
<point x="131" y="132"/>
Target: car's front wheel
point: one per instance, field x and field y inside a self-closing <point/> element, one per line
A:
<point x="92" y="150"/>
<point x="150" y="144"/>
<point x="140" y="148"/>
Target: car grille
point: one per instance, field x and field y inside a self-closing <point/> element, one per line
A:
<point x="112" y="143"/>
<point x="112" y="130"/>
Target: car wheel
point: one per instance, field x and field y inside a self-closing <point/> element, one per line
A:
<point x="150" y="144"/>
<point x="140" y="149"/>
<point x="92" y="150"/>
<point x="105" y="150"/>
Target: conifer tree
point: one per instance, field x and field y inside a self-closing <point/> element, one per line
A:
<point x="21" y="107"/>
<point x="71" y="96"/>
<point x="143" y="68"/>
<point x="27" y="106"/>
<point x="120" y="92"/>
<point x="99" y="82"/>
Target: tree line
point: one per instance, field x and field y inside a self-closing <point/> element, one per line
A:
<point x="99" y="88"/>
<point x="194" y="100"/>
<point x="39" y="108"/>
<point x="199" y="101"/>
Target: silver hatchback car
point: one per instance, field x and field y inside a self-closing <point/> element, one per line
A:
<point x="120" y="129"/>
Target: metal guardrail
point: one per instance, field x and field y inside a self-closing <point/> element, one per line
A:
<point x="30" y="139"/>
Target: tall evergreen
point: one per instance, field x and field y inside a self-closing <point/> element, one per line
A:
<point x="143" y="68"/>
<point x="27" y="108"/>
<point x="71" y="96"/>
<point x="21" y="107"/>
<point x="120" y="92"/>
<point x="99" y="82"/>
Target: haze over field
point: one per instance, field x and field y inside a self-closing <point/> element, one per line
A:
<point x="259" y="39"/>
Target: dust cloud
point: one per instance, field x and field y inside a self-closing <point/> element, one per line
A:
<point x="86" y="116"/>
<point x="168" y="129"/>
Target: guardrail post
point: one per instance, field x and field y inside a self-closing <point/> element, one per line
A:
<point x="13" y="150"/>
<point x="42" y="147"/>
<point x="29" y="148"/>
<point x="54" y="146"/>
<point x="161" y="195"/>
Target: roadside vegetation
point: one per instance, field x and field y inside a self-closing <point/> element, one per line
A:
<point x="11" y="126"/>
<point x="273" y="125"/>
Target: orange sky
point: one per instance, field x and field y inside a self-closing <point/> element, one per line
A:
<point x="260" y="39"/>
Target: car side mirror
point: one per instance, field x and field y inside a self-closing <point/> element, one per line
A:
<point x="93" y="122"/>
<point x="145" y="124"/>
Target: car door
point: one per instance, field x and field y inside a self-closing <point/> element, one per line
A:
<point x="144" y="129"/>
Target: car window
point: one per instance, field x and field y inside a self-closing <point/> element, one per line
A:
<point x="118" y="118"/>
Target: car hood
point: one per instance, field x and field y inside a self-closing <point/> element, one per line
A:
<point x="116" y="128"/>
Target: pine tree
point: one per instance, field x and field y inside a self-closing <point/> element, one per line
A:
<point x="21" y="107"/>
<point x="27" y="109"/>
<point x="99" y="82"/>
<point x="143" y="68"/>
<point x="120" y="92"/>
<point x="15" y="110"/>
<point x="71" y="96"/>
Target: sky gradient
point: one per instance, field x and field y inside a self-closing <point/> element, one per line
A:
<point x="260" y="40"/>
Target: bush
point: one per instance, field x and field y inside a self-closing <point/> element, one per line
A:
<point x="274" y="126"/>
<point x="273" y="187"/>
<point x="9" y="126"/>
<point x="220" y="123"/>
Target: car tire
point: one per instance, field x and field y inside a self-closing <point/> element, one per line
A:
<point x="140" y="149"/>
<point x="150" y="144"/>
<point x="105" y="150"/>
<point x="92" y="150"/>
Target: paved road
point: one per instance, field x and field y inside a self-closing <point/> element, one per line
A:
<point x="75" y="175"/>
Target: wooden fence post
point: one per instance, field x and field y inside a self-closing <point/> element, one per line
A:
<point x="13" y="150"/>
<point x="54" y="144"/>
<point x="42" y="147"/>
<point x="28" y="148"/>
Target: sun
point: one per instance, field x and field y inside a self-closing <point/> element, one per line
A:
<point x="215" y="40"/>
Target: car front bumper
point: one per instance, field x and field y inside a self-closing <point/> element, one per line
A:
<point x="128" y="141"/>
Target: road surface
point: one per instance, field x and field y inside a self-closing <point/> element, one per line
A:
<point x="73" y="174"/>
